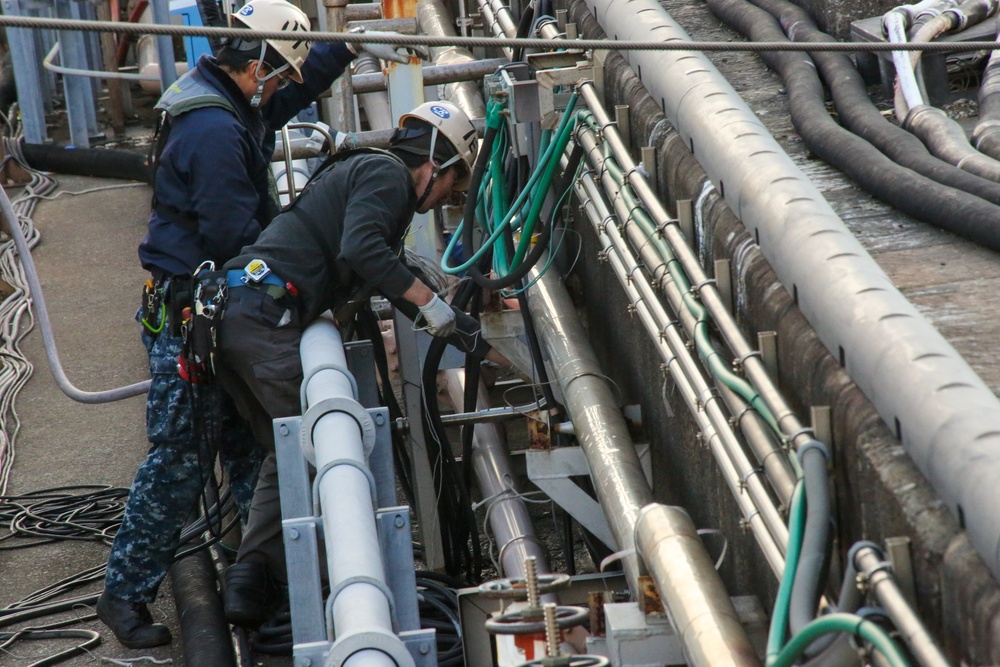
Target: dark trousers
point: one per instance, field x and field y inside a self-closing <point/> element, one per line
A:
<point x="259" y="367"/>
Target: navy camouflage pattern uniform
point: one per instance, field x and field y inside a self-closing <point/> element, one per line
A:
<point x="212" y="195"/>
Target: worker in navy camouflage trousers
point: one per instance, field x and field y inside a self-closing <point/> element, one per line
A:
<point x="212" y="195"/>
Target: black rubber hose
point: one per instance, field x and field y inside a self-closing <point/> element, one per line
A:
<point x="199" y="609"/>
<point x="211" y="16"/>
<point x="814" y="557"/>
<point x="986" y="136"/>
<point x="862" y="117"/>
<point x="523" y="27"/>
<point x="911" y="193"/>
<point x="97" y="162"/>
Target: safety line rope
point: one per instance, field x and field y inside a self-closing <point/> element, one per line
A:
<point x="527" y="42"/>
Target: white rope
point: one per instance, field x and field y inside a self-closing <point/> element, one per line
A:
<point x="16" y="318"/>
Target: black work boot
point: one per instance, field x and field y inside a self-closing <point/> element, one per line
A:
<point x="247" y="594"/>
<point x="131" y="622"/>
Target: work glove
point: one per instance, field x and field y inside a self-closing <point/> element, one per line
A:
<point x="439" y="316"/>
<point x="394" y="52"/>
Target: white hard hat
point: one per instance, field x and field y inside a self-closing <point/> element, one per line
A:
<point x="452" y="123"/>
<point x="279" y="16"/>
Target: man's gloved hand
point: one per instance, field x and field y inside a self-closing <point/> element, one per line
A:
<point x="394" y="52"/>
<point x="439" y="316"/>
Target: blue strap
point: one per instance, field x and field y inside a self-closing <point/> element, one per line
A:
<point x="236" y="277"/>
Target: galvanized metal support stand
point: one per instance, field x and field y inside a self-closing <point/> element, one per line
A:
<point x="26" y="54"/>
<point x="369" y="557"/>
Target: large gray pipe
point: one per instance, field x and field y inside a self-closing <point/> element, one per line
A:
<point x="947" y="418"/>
<point x="509" y="518"/>
<point x="435" y="19"/>
<point x="700" y="608"/>
<point x="600" y="427"/>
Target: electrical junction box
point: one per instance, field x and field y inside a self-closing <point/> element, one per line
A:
<point x="633" y="639"/>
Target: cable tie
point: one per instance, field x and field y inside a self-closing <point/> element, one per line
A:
<point x="753" y="471"/>
<point x="805" y="429"/>
<point x="882" y="566"/>
<point x="530" y="538"/>
<point x="699" y="286"/>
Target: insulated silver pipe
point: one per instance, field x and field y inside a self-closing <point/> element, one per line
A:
<point x="359" y="605"/>
<point x="600" y="427"/>
<point x="455" y="72"/>
<point x="699" y="605"/>
<point x="946" y="417"/>
<point x="435" y="19"/>
<point x="622" y="489"/>
<point x="375" y="104"/>
<point x="509" y="518"/>
<point x="870" y="567"/>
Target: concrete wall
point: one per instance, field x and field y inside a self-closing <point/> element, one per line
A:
<point x="879" y="491"/>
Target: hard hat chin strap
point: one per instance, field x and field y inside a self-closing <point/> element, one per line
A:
<point x="430" y="184"/>
<point x="259" y="94"/>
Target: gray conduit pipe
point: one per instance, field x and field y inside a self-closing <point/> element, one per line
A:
<point x="42" y="313"/>
<point x="948" y="419"/>
<point x="375" y="104"/>
<point x="699" y="605"/>
<point x="509" y="519"/>
<point x="646" y="311"/>
<point x="755" y="370"/>
<point x="702" y="401"/>
<point x="436" y="20"/>
<point x="664" y="536"/>
<point x="359" y="605"/>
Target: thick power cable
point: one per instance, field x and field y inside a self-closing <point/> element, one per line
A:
<point x="918" y="196"/>
<point x="860" y="115"/>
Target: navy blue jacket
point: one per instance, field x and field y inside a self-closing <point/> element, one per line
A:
<point x="212" y="187"/>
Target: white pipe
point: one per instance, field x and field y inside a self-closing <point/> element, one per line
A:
<point x="905" y="78"/>
<point x="89" y="73"/>
<point x="148" y="58"/>
<point x="362" y="619"/>
<point x="509" y="518"/>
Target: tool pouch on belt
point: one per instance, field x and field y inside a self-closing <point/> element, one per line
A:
<point x="199" y="326"/>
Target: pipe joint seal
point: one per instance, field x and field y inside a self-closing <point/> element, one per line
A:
<point x="336" y="404"/>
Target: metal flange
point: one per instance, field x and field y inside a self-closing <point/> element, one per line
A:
<point x="387" y="643"/>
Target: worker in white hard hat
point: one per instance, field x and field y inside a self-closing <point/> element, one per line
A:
<point x="339" y="239"/>
<point x="212" y="195"/>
